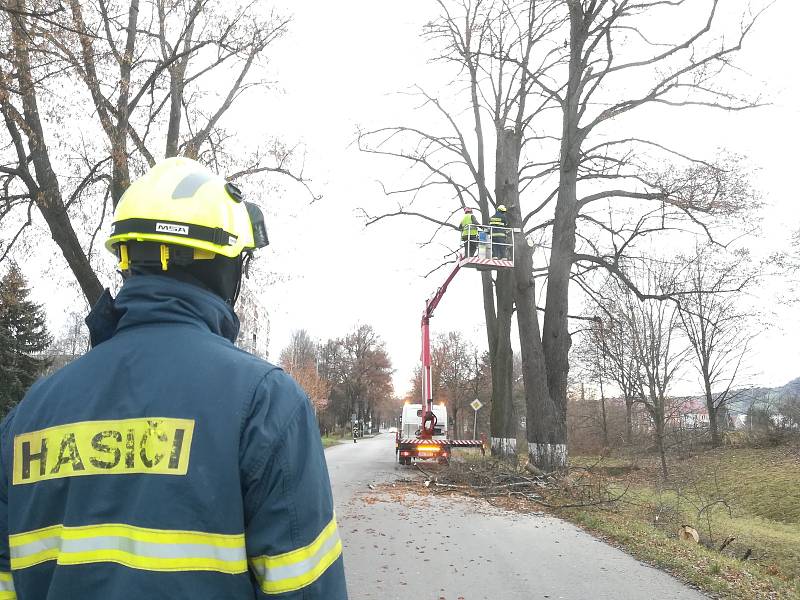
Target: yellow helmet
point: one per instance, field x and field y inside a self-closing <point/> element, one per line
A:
<point x="502" y="208"/>
<point x="179" y="202"/>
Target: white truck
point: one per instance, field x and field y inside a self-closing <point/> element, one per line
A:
<point x="408" y="446"/>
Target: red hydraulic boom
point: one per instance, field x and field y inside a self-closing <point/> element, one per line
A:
<point x="428" y="418"/>
<point x="425" y="446"/>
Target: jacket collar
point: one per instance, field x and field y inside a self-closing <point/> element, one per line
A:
<point x="155" y="299"/>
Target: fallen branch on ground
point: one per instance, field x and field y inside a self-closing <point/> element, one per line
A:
<point x="499" y="480"/>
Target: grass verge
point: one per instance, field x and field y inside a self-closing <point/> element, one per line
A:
<point x="747" y="497"/>
<point x="330" y="441"/>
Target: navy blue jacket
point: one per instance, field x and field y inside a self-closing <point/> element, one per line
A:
<point x="166" y="463"/>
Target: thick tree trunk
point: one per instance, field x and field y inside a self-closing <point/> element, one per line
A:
<point x="556" y="339"/>
<point x="489" y="313"/>
<point x="545" y="432"/>
<point x="539" y="406"/>
<point x="501" y="358"/>
<point x="503" y="428"/>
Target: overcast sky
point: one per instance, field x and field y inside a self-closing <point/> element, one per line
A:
<point x="340" y="67"/>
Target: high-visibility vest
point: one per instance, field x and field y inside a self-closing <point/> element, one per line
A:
<point x="468" y="228"/>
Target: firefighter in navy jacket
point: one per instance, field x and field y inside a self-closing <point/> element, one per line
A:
<point x="167" y="463"/>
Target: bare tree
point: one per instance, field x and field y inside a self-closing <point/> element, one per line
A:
<point x="651" y="327"/>
<point x="496" y="49"/>
<point x="358" y="371"/>
<point x="607" y="336"/>
<point x="147" y="70"/>
<point x="516" y="67"/>
<point x="593" y="365"/>
<point x="457" y="373"/>
<point x="790" y="411"/>
<point x="609" y="43"/>
<point x="299" y="359"/>
<point x="71" y="342"/>
<point x="480" y="389"/>
<point x="717" y="327"/>
<point x="300" y="350"/>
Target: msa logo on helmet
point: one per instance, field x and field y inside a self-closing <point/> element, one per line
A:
<point x="172" y="228"/>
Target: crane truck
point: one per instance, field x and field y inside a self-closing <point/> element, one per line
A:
<point x="423" y="434"/>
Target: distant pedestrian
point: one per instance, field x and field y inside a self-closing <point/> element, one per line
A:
<point x="469" y="232"/>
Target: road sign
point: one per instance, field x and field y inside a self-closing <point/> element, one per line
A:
<point x="476" y="406"/>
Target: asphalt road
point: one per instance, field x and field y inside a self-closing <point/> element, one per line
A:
<point x="422" y="548"/>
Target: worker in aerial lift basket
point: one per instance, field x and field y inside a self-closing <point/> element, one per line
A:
<point x="166" y="462"/>
<point x="499" y="236"/>
<point x="469" y="232"/>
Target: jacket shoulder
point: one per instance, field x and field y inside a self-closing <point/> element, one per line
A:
<point x="281" y="393"/>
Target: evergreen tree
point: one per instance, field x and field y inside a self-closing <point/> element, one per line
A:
<point x="23" y="337"/>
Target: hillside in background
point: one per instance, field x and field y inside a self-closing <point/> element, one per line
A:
<point x="743" y="399"/>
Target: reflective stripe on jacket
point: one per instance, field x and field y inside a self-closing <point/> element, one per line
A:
<point x="166" y="463"/>
<point x="7" y="591"/>
<point x="498" y="220"/>
<point x="469" y="227"/>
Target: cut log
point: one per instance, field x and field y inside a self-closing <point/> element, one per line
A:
<point x="531" y="468"/>
<point x="689" y="534"/>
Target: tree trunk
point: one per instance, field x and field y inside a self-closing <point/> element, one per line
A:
<point x="497" y="415"/>
<point x="498" y="331"/>
<point x="503" y="429"/>
<point x="556" y="339"/>
<point x="628" y="420"/>
<point x="603" y="410"/>
<point x="540" y="410"/>
<point x="713" y="424"/>
<point x="713" y="421"/>
<point x="660" y="444"/>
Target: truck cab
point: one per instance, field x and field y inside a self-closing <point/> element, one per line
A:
<point x="408" y="445"/>
<point x="412" y="421"/>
